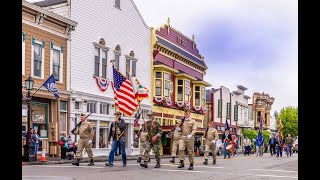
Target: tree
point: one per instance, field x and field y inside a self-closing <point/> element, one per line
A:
<point x="289" y="120"/>
<point x="251" y="134"/>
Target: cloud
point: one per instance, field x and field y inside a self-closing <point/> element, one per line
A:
<point x="247" y="42"/>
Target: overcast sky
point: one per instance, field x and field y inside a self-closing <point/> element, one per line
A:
<point x="253" y="43"/>
<point x="248" y="42"/>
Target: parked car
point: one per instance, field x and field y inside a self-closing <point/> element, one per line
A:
<point x="219" y="148"/>
<point x="295" y="146"/>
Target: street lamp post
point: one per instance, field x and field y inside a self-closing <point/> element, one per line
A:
<point x="28" y="147"/>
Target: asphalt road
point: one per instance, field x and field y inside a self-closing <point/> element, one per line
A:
<point x="239" y="167"/>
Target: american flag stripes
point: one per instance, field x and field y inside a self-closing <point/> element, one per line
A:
<point x="124" y="96"/>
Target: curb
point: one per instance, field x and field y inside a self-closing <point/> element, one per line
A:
<point x="96" y="159"/>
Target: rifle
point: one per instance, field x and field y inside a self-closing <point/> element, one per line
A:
<point x="205" y="133"/>
<point x="171" y="131"/>
<point x="79" y="124"/>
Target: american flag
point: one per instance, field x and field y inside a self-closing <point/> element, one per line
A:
<point x="124" y="96"/>
<point x="136" y="121"/>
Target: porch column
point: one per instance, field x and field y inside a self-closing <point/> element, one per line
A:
<point x="97" y="134"/>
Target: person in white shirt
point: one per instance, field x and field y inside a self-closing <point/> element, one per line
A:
<point x="247" y="146"/>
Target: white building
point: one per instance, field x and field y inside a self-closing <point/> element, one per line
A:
<point x="107" y="30"/>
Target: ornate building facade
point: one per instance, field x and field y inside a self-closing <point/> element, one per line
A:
<point x="178" y="80"/>
<point x="261" y="107"/>
<point x="45" y="51"/>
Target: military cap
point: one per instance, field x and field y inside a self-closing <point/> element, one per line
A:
<point x="187" y="110"/>
<point x="83" y="115"/>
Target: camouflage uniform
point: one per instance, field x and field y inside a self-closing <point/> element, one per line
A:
<point x="210" y="143"/>
<point x="153" y="129"/>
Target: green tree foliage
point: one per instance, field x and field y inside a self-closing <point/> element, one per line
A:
<point x="252" y="134"/>
<point x="289" y="120"/>
<point x="266" y="136"/>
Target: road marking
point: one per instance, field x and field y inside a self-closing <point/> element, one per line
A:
<point x="53" y="166"/>
<point x="272" y="170"/>
<point x="173" y="170"/>
<point x="293" y="177"/>
<point x="210" y="167"/>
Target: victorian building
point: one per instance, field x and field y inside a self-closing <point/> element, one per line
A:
<point x="108" y="30"/>
<point x="45" y="51"/>
<point x="261" y="106"/>
<point x="178" y="72"/>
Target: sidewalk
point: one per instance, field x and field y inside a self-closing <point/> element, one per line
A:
<point x="57" y="160"/>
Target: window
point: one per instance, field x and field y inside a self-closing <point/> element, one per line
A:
<point x="187" y="91"/>
<point x="203" y="96"/>
<point x="104" y="108"/>
<point x="63" y="116"/>
<point x="37" y="60"/>
<point x="158" y="83"/>
<point x="96" y="61"/>
<point x="134" y="68"/>
<point x="117" y="4"/>
<point x="23" y="53"/>
<point x="103" y="134"/>
<point x="56" y="64"/>
<point x="166" y="84"/>
<point x="76" y="105"/>
<point x="180" y="90"/>
<point x="197" y="95"/>
<point x="117" y="57"/>
<point x="91" y="107"/>
<point x="104" y="64"/>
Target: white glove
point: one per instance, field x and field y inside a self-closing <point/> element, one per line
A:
<point x="136" y="136"/>
<point x="178" y="128"/>
<point x="167" y="136"/>
<point x="189" y="136"/>
<point x="90" y="142"/>
<point x="214" y="141"/>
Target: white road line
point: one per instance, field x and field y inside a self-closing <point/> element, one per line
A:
<point x="293" y="177"/>
<point x="260" y="175"/>
<point x="273" y="170"/>
<point x="50" y="166"/>
<point x="179" y="170"/>
<point x="213" y="167"/>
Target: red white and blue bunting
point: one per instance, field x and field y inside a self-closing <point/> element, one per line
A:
<point x="187" y="105"/>
<point x="204" y="110"/>
<point x="158" y="100"/>
<point x="168" y="102"/>
<point x="102" y="83"/>
<point x="197" y="108"/>
<point x="180" y="105"/>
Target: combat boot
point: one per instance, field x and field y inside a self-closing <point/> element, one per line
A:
<point x="191" y="166"/>
<point x="214" y="161"/>
<point x="145" y="165"/>
<point x="76" y="162"/>
<point x="181" y="164"/>
<point x="109" y="164"/>
<point x="91" y="162"/>
<point x="149" y="160"/>
<point x="172" y="161"/>
<point x="157" y="165"/>
<point x="139" y="160"/>
<point x="205" y="162"/>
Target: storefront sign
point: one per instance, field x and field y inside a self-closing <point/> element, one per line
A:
<point x="38" y="118"/>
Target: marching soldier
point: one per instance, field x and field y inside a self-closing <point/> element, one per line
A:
<point x="85" y="131"/>
<point x="176" y="134"/>
<point x="211" y="137"/>
<point x="189" y="128"/>
<point x="153" y="140"/>
<point x="143" y="141"/>
<point x="117" y="129"/>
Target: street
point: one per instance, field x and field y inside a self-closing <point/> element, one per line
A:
<point x="239" y="167"/>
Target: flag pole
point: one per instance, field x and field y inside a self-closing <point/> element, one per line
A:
<point x="36" y="91"/>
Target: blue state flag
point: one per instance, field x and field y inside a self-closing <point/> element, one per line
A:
<point x="50" y="84"/>
<point x="227" y="125"/>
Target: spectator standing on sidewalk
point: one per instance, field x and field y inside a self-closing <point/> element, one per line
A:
<point x="35" y="139"/>
<point x="247" y="146"/>
<point x="64" y="147"/>
<point x="289" y="143"/>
